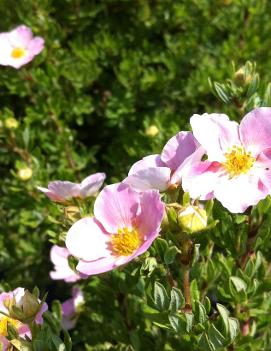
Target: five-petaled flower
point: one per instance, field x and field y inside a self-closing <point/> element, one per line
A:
<point x="61" y="191"/>
<point x="164" y="171"/>
<point x="237" y="171"/>
<point x="125" y="224"/>
<point x="19" y="47"/>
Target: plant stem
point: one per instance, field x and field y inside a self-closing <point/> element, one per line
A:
<point x="186" y="287"/>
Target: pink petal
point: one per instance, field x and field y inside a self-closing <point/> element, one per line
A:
<point x="238" y="193"/>
<point x="149" y="178"/>
<point x="200" y="180"/>
<point x="147" y="162"/>
<point x="59" y="257"/>
<point x="216" y="133"/>
<point x="178" y="148"/>
<point x="255" y="130"/>
<point x="102" y="265"/>
<point x="4" y="341"/>
<point x="91" y="184"/>
<point x="116" y="207"/>
<point x="35" y="46"/>
<point x="87" y="240"/>
<point x="20" y="36"/>
<point x="194" y="158"/>
<point x="151" y="215"/>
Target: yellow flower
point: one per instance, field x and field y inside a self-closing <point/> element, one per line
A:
<point x="152" y="131"/>
<point x="25" y="173"/>
<point x="11" y="123"/>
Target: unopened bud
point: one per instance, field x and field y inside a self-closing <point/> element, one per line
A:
<point x="11" y="123"/>
<point x="26" y="309"/>
<point x="193" y="219"/>
<point x="72" y="213"/>
<point x="152" y="131"/>
<point x="239" y="75"/>
<point x="25" y="173"/>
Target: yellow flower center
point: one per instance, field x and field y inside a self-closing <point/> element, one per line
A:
<point x="18" y="53"/>
<point x="238" y="161"/>
<point x="4" y="320"/>
<point x="125" y="242"/>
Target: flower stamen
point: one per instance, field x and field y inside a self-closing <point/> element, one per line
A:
<point x="125" y="242"/>
<point x="238" y="161"/>
<point x="18" y="53"/>
<point x="4" y="320"/>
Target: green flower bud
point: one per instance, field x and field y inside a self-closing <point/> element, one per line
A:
<point x="193" y="219"/>
<point x="152" y="131"/>
<point x="25" y="173"/>
<point x="11" y="123"/>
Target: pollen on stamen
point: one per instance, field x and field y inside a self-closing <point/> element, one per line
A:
<point x="238" y="161"/>
<point x="125" y="242"/>
<point x="17" y="53"/>
<point x="4" y="320"/>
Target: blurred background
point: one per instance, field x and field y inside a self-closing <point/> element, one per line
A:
<point x="116" y="80"/>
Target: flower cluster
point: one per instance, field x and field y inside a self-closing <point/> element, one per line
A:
<point x="218" y="159"/>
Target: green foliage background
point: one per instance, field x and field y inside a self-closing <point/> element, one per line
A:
<point x="110" y="70"/>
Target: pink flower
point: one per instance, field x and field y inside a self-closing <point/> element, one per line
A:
<point x="61" y="191"/>
<point x="23" y="329"/>
<point x="238" y="169"/>
<point x="71" y="309"/>
<point x="125" y="224"/>
<point x="59" y="257"/>
<point x="163" y="171"/>
<point x="19" y="47"/>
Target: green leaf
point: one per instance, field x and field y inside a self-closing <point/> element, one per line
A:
<point x="194" y="291"/>
<point x="176" y="300"/>
<point x="161" y="298"/>
<point x="233" y="328"/>
<point x="195" y="254"/>
<point x="215" y="337"/>
<point x="189" y="321"/>
<point x="207" y="304"/>
<point x="177" y="323"/>
<point x="238" y="283"/>
<point x="224" y="313"/>
<point x="170" y="254"/>
<point x="200" y="313"/>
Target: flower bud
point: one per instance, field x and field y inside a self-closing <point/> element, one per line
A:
<point x="25" y="173"/>
<point x="193" y="219"/>
<point x="72" y="213"/>
<point x="26" y="309"/>
<point x="11" y="123"/>
<point x="152" y="131"/>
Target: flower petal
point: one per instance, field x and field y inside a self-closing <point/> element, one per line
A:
<point x="147" y="162"/>
<point x="216" y="133"/>
<point x="101" y="265"/>
<point x="200" y="179"/>
<point x="178" y="148"/>
<point x="20" y="36"/>
<point x="149" y="178"/>
<point x="116" y="207"/>
<point x="151" y="215"/>
<point x="255" y="130"/>
<point x="90" y="185"/>
<point x="237" y="194"/>
<point x="87" y="240"/>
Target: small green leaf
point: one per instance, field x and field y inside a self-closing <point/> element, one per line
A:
<point x="161" y="298"/>
<point x="238" y="283"/>
<point x="200" y="313"/>
<point x="215" y="337"/>
<point x="189" y="321"/>
<point x="176" y="300"/>
<point x="170" y="254"/>
<point x="233" y="328"/>
<point x="207" y="304"/>
<point x="224" y="313"/>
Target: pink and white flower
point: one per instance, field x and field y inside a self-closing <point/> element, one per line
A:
<point x="71" y="309"/>
<point x="62" y="271"/>
<point x="166" y="170"/>
<point x="125" y="224"/>
<point x="19" y="47"/>
<point x="23" y="329"/>
<point x="61" y="191"/>
<point x="238" y="169"/>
